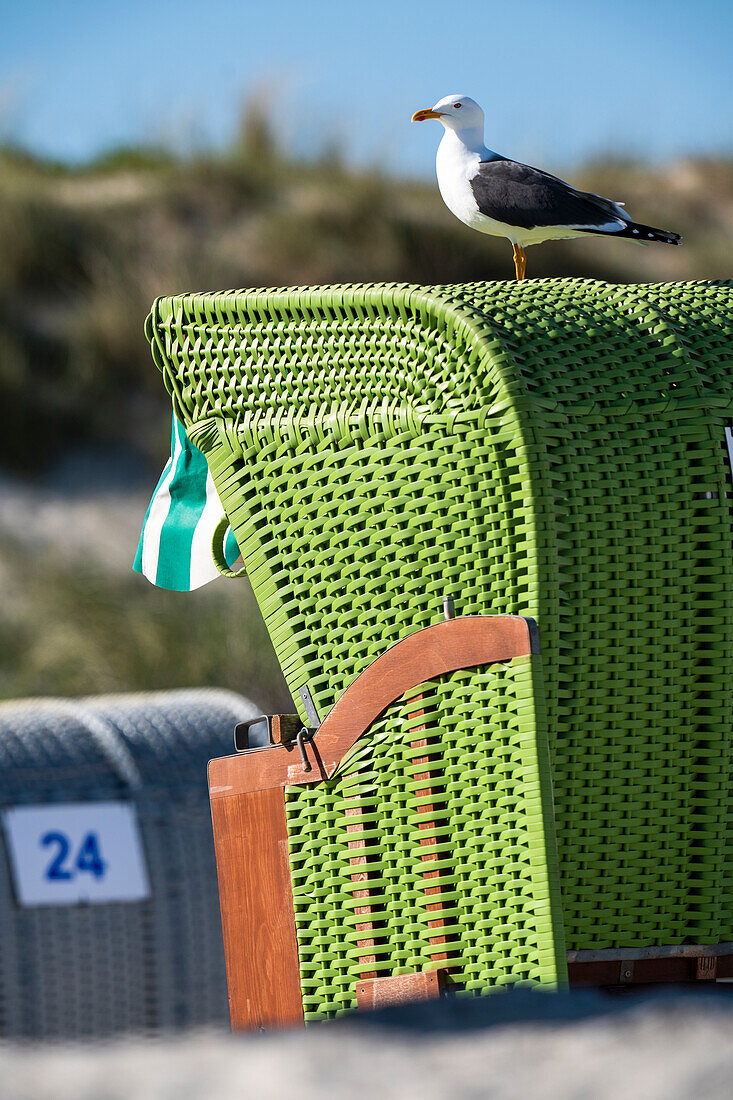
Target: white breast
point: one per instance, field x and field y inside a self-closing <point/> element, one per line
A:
<point x="456" y="164"/>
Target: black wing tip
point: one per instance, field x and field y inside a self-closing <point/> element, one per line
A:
<point x="647" y="233"/>
<point x="635" y="231"/>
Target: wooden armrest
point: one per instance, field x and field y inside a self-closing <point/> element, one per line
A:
<point x="464" y="642"/>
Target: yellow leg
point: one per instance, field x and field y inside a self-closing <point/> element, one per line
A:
<point x="520" y="262"/>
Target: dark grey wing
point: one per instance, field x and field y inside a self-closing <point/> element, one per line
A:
<point x="516" y="194"/>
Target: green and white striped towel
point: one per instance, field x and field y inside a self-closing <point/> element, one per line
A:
<point x="175" y="543"/>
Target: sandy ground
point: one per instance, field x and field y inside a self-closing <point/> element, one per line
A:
<point x="512" y="1047"/>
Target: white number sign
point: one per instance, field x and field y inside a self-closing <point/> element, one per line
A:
<point x="76" y="852"/>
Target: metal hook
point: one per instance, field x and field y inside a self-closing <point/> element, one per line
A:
<point x="303" y="736"/>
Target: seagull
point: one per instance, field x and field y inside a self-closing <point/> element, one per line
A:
<point x="505" y="198"/>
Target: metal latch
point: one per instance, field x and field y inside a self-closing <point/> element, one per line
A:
<point x="266" y="730"/>
<point x="270" y="730"/>
<point x="303" y="736"/>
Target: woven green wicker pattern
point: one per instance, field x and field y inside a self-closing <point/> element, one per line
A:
<point x="553" y="448"/>
<point x="490" y="804"/>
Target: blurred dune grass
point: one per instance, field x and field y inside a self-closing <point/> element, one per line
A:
<point x="77" y="630"/>
<point x="85" y="250"/>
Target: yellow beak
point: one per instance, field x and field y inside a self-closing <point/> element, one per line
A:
<point x="420" y="116"/>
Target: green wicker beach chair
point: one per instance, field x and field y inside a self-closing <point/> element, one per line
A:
<point x="554" y="449"/>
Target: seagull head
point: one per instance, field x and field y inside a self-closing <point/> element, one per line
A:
<point x="456" y="112"/>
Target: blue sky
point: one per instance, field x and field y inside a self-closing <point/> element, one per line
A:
<point x="560" y="80"/>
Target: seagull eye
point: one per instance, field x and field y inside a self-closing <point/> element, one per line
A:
<point x="457" y="105"/>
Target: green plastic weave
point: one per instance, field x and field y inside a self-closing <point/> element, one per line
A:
<point x="554" y="448"/>
<point x="490" y="838"/>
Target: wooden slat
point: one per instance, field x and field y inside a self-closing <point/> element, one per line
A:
<point x="258" y="770"/>
<point x="398" y="989"/>
<point x="654" y="951"/>
<point x="258" y="920"/>
<point x="424" y="789"/>
<point x="651" y="971"/>
<point x="367" y="957"/>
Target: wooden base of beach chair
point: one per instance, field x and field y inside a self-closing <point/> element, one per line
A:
<point x="247" y="794"/>
<point x="680" y="963"/>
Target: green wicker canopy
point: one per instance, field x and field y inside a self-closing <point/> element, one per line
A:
<point x="556" y="449"/>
